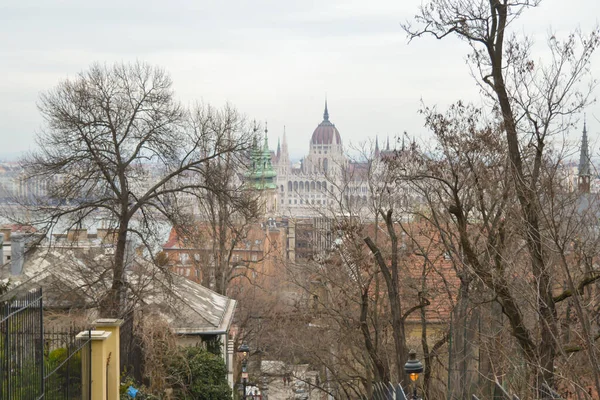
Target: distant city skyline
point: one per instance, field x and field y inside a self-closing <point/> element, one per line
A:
<point x="274" y="61"/>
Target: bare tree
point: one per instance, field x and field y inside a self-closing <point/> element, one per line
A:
<point x="470" y="200"/>
<point x="534" y="102"/>
<point x="356" y="270"/>
<point x="117" y="146"/>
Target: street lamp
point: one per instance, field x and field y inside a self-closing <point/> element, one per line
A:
<point x="245" y="350"/>
<point x="413" y="368"/>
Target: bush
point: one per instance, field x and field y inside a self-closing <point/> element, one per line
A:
<point x="198" y="374"/>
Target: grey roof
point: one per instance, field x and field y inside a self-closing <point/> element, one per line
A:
<point x="191" y="308"/>
<point x="79" y="279"/>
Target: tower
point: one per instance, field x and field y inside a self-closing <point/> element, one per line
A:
<point x="583" y="176"/>
<point x="284" y="158"/>
<point x="262" y="176"/>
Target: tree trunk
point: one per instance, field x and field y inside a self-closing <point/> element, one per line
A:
<point x="111" y="306"/>
<point x="390" y="275"/>
<point x="546" y="351"/>
<point x="381" y="372"/>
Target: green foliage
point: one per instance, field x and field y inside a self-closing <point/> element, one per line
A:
<point x="199" y="374"/>
<point x="213" y="345"/>
<point x="127" y="381"/>
<point x="67" y="377"/>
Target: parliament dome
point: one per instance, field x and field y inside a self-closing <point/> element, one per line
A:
<point x="326" y="133"/>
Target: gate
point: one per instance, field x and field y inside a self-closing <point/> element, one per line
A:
<point x="132" y="359"/>
<point x="35" y="364"/>
<point x="67" y="365"/>
<point x="22" y="347"/>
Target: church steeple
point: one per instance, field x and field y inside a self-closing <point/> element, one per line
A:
<point x="266" y="144"/>
<point x="278" y="149"/>
<point x="583" y="178"/>
<point x="326" y="113"/>
<point x="262" y="175"/>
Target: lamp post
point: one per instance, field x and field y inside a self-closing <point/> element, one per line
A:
<point x="245" y="350"/>
<point x="413" y="368"/>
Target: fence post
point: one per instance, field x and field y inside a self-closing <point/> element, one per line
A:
<point x="100" y="356"/>
<point x="113" y="344"/>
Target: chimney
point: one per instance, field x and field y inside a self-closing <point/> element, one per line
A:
<point x="6" y="233"/>
<point x="107" y="235"/>
<point x="77" y="235"/>
<point x="17" y="252"/>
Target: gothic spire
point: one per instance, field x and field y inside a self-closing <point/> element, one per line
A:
<point x="376" y="146"/>
<point x="584" y="176"/>
<point x="584" y="155"/>
<point x="266" y="144"/>
<point x="387" y="146"/>
<point x="278" y="148"/>
<point x="326" y="113"/>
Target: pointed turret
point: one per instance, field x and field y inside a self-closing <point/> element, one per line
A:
<point x="266" y="144"/>
<point x="284" y="158"/>
<point x="387" y="146"/>
<point x="262" y="175"/>
<point x="583" y="178"/>
<point x="326" y="113"/>
<point x="278" y="149"/>
<point x="377" y="152"/>
<point x="284" y="145"/>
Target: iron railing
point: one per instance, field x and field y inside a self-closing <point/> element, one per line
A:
<point x="35" y="364"/>
<point x="68" y="365"/>
<point x="22" y="347"/>
<point x="388" y="391"/>
<point x="132" y="360"/>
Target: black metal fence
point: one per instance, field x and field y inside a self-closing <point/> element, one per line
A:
<point x="132" y="360"/>
<point x="388" y="391"/>
<point x="22" y="347"/>
<point x="35" y="364"/>
<point x="67" y="364"/>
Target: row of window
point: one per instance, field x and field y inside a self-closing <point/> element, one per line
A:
<point x="309" y="202"/>
<point x="305" y="186"/>
<point x="188" y="272"/>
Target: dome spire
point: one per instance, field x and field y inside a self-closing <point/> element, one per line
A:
<point x="326" y="113"/>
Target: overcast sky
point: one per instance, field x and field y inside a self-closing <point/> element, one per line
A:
<point x="275" y="60"/>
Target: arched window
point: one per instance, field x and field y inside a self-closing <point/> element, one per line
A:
<point x="312" y="185"/>
<point x="324" y="186"/>
<point x="281" y="188"/>
<point x="325" y="165"/>
<point x="307" y="186"/>
<point x="289" y="186"/>
<point x="295" y="186"/>
<point x="302" y="186"/>
<point x="319" y="186"/>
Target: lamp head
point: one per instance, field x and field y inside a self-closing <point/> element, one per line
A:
<point x="413" y="367"/>
<point x="244" y="349"/>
